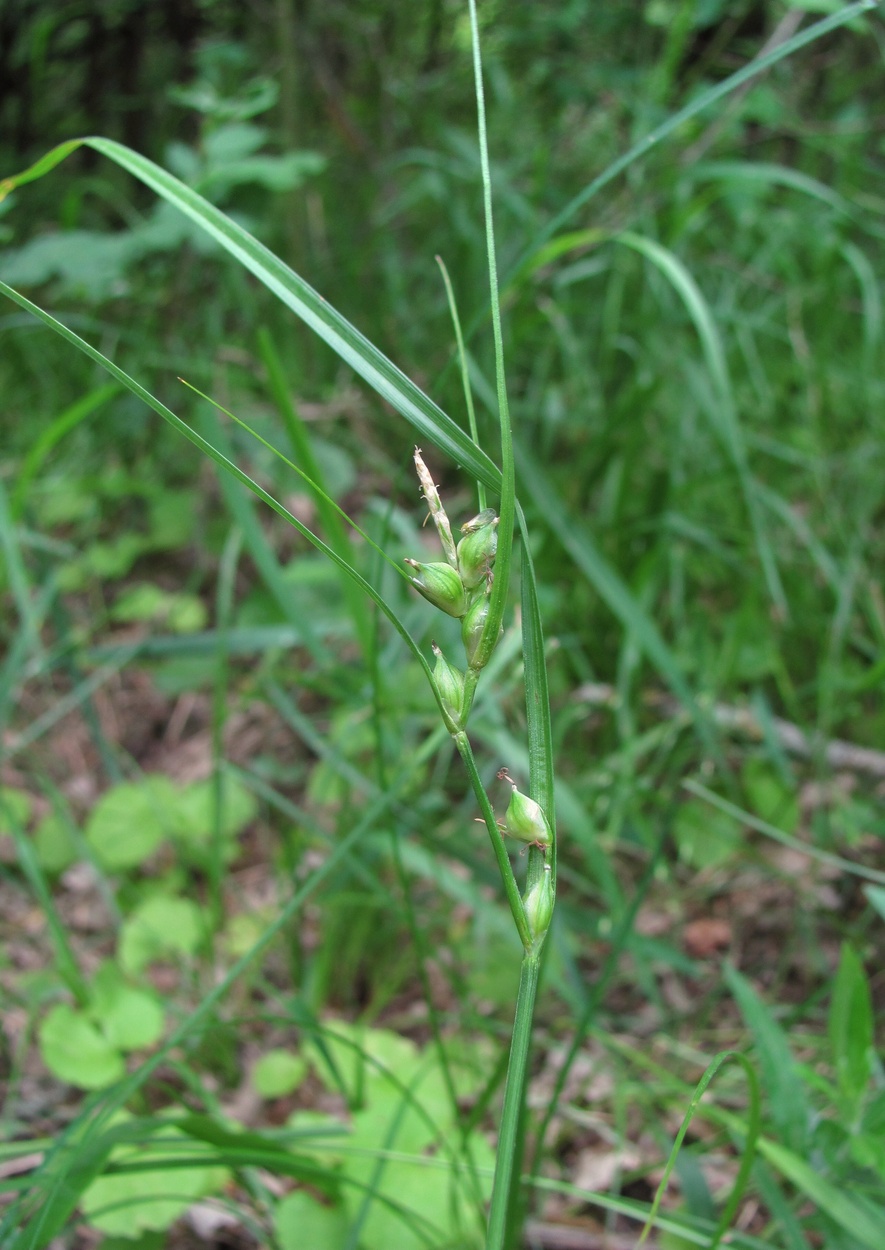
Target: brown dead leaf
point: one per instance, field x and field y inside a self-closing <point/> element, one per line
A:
<point x="706" y="937"/>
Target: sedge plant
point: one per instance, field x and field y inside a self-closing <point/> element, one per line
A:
<point x="471" y="582"/>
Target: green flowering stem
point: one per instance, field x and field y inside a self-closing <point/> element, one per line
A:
<point x="511" y="889"/>
<point x="507" y="1163"/>
<point x="465" y="376"/>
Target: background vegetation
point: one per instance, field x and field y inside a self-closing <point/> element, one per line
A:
<point x="198" y="718"/>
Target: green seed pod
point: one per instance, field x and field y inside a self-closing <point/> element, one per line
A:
<point x="539" y="904"/>
<point x="525" y="818"/>
<point x="441" y="585"/>
<point x="476" y="550"/>
<point x="450" y="684"/>
<point x="473" y="625"/>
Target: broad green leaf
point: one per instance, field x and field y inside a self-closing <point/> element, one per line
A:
<point x="147" y="1241"/>
<point x="345" y="1054"/>
<point x="404" y="1123"/>
<point x="418" y="1202"/>
<point x="278" y="1073"/>
<point x="302" y="1223"/>
<point x="15" y="809"/>
<point x="162" y="927"/>
<point x="129" y="1018"/>
<point x="132" y="1202"/>
<point x="193" y="810"/>
<point x="54" y="845"/>
<point x="74" y="1050"/>
<point x="130" y="821"/>
<point x="181" y="613"/>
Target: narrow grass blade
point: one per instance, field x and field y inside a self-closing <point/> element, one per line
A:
<point x="852" y="1210"/>
<point x="577" y="541"/>
<point x="752" y="1137"/>
<point x="221" y="460"/>
<point x="51" y="437"/>
<point x="302" y="449"/>
<point x="367" y="361"/>
<point x="724" y="413"/>
<point x="537" y="696"/>
<point x="68" y="967"/>
<point x="769" y="174"/>
<point x="786" y="1093"/>
<point x="702" y="101"/>
<point x="771" y="831"/>
<point x="465" y="372"/>
<point x="16" y="573"/>
<point x="694" y="1231"/>
<point x="257" y="544"/>
<point x="507" y="505"/>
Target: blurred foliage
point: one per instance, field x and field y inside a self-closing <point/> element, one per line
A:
<point x="699" y="416"/>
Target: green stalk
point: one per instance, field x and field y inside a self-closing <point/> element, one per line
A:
<point x="462" y="742"/>
<point x="504" y="1214"/>
<point x="507" y="507"/>
<point x="465" y="376"/>
<point x="507" y="1161"/>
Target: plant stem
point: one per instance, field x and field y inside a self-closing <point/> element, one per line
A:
<point x="507" y="1161"/>
<point x="465" y="375"/>
<point x="514" y="898"/>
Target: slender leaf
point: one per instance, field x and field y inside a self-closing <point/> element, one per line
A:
<point x="723" y="414"/>
<point x="221" y="460"/>
<point x="576" y="540"/>
<point x="786" y="1093"/>
<point x="372" y="365"/>
<point x="701" y="102"/>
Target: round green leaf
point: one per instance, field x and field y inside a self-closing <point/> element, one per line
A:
<point x="277" y="1073"/>
<point x="129" y="1203"/>
<point x="54" y="845"/>
<point x="194" y="811"/>
<point x="15" y="809"/>
<point x="300" y="1221"/>
<point x="129" y="1018"/>
<point x="130" y="821"/>
<point x="74" y="1050"/>
<point x="160" y="928"/>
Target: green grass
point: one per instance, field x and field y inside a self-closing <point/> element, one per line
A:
<point x="692" y="374"/>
